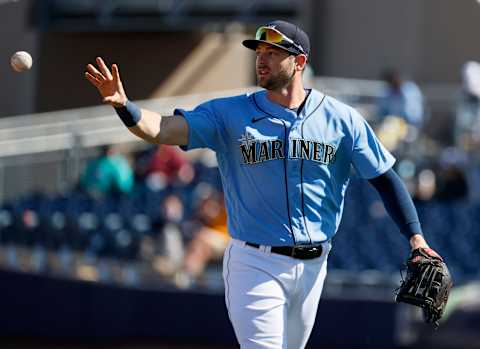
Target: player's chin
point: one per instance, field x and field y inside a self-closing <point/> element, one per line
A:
<point x="263" y="81"/>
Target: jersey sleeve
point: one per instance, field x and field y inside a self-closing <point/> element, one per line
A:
<point x="370" y="158"/>
<point x="204" y="127"/>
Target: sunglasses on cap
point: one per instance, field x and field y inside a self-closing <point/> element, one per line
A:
<point x="273" y="36"/>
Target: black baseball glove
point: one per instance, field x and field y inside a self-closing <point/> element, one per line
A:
<point x="427" y="284"/>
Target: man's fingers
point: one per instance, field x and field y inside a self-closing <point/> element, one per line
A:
<point x="115" y="72"/>
<point x="104" y="69"/>
<point x="432" y="253"/>
<point x="94" y="71"/>
<point x="420" y="253"/>
<point x="92" y="79"/>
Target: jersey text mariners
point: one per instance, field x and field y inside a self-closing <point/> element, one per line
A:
<point x="254" y="152"/>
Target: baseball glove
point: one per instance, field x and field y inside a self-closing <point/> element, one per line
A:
<point x="426" y="285"/>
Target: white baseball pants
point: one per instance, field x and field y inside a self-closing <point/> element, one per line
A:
<point x="272" y="299"/>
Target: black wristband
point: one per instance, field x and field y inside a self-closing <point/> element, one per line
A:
<point x="130" y="114"/>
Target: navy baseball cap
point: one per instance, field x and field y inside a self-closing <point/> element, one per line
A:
<point x="284" y="35"/>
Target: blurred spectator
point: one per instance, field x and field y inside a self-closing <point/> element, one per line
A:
<point x="109" y="173"/>
<point x="169" y="249"/>
<point x="166" y="164"/>
<point x="452" y="184"/>
<point x="426" y="186"/>
<point x="467" y="122"/>
<point x="452" y="180"/>
<point x="392" y="132"/>
<point x="209" y="240"/>
<point x="446" y="180"/>
<point x="401" y="99"/>
<point x="29" y="234"/>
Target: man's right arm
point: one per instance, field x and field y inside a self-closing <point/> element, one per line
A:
<point x="158" y="129"/>
<point x="143" y="123"/>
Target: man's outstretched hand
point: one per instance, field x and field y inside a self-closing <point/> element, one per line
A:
<point x="107" y="83"/>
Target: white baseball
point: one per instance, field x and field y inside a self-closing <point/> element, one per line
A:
<point x="21" y="61"/>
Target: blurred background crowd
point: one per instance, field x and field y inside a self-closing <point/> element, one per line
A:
<point x="81" y="199"/>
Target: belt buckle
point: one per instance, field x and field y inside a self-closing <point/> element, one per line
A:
<point x="309" y="251"/>
<point x="296" y="249"/>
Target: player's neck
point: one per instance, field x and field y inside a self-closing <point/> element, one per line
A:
<point x="291" y="96"/>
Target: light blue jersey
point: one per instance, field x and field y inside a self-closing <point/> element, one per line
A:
<point x="285" y="174"/>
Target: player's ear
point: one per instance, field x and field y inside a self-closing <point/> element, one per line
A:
<point x="300" y="62"/>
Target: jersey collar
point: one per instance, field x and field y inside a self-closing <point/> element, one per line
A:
<point x="269" y="108"/>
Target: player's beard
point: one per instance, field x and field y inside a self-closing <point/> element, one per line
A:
<point x="278" y="81"/>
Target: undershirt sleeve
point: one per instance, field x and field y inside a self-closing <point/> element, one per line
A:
<point x="398" y="202"/>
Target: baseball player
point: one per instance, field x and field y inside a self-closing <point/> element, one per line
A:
<point x="285" y="155"/>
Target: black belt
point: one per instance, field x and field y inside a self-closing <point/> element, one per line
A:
<point x="299" y="252"/>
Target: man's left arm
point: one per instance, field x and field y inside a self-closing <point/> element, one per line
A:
<point x="428" y="281"/>
<point x="400" y="207"/>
